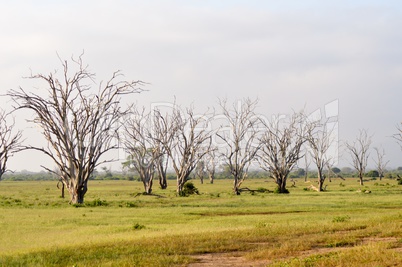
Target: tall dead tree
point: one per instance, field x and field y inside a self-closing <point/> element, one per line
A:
<point x="163" y="135"/>
<point x="281" y="144"/>
<point x="239" y="135"/>
<point x="187" y="141"/>
<point x="380" y="162"/>
<point x="359" y="152"/>
<point x="142" y="148"/>
<point x="10" y="141"/>
<point x="320" y="139"/>
<point x="78" y="123"/>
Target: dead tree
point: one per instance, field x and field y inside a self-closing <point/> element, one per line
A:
<point x="239" y="135"/>
<point x="142" y="148"/>
<point x="78" y="123"/>
<point x="320" y="139"/>
<point x="163" y="135"/>
<point x="10" y="141"/>
<point x="187" y="140"/>
<point x="210" y="165"/>
<point x="359" y="152"/>
<point x="380" y="162"/>
<point x="281" y="144"/>
<point x="200" y="171"/>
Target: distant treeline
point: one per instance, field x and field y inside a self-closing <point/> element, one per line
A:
<point x="258" y="174"/>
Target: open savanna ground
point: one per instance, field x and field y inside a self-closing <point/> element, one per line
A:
<point x="118" y="226"/>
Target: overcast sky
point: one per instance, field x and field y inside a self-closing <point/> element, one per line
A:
<point x="289" y="54"/>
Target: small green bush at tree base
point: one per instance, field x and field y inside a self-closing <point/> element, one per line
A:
<point x="189" y="189"/>
<point x="278" y="191"/>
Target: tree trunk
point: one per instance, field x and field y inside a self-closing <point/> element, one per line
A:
<point x="211" y="178"/>
<point x="320" y="185"/>
<point x="77" y="194"/>
<point x="281" y="182"/>
<point x="361" y="179"/>
<point x="321" y="179"/>
<point x="62" y="190"/>
<point x="162" y="177"/>
<point x="180" y="185"/>
<point x="148" y="186"/>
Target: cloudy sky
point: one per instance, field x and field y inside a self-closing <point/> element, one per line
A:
<point x="288" y="54"/>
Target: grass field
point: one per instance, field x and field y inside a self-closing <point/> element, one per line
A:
<point x="343" y="226"/>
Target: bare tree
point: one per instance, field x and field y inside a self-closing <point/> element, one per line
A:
<point x="186" y="141"/>
<point x="10" y="141"/>
<point x="163" y="134"/>
<point x="210" y="165"/>
<point x="142" y="148"/>
<point x="398" y="135"/>
<point x="320" y="139"/>
<point x="239" y="136"/>
<point x="359" y="152"/>
<point x="281" y="145"/>
<point x="78" y="125"/>
<point x="200" y="171"/>
<point x="380" y="162"/>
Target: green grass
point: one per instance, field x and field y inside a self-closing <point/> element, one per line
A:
<point x="121" y="227"/>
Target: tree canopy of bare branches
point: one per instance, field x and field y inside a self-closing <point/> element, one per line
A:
<point x="320" y="139"/>
<point x="280" y="147"/>
<point x="10" y="141"/>
<point x="186" y="138"/>
<point x="359" y="152"/>
<point x="239" y="136"/>
<point x="78" y="124"/>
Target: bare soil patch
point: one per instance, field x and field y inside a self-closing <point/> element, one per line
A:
<point x="225" y="260"/>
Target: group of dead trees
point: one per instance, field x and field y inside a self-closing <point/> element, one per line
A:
<point x="80" y="126"/>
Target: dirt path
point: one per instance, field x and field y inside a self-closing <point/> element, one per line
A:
<point x="225" y="260"/>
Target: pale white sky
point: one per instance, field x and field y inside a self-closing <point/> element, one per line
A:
<point x="289" y="54"/>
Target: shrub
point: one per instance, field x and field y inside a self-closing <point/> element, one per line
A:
<point x="278" y="191"/>
<point x="189" y="189"/>
<point x="341" y="218"/>
<point x="96" y="202"/>
<point x="138" y="226"/>
<point x="262" y="190"/>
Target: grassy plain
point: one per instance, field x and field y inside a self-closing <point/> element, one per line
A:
<point x="119" y="227"/>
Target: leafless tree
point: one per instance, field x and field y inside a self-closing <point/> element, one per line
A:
<point x="141" y="147"/>
<point x="320" y="139"/>
<point x="239" y="135"/>
<point x="186" y="141"/>
<point x="200" y="171"/>
<point x="163" y="133"/>
<point x="380" y="162"/>
<point x="359" y="152"/>
<point x="210" y="165"/>
<point x="78" y="124"/>
<point x="281" y="146"/>
<point x="10" y="141"/>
